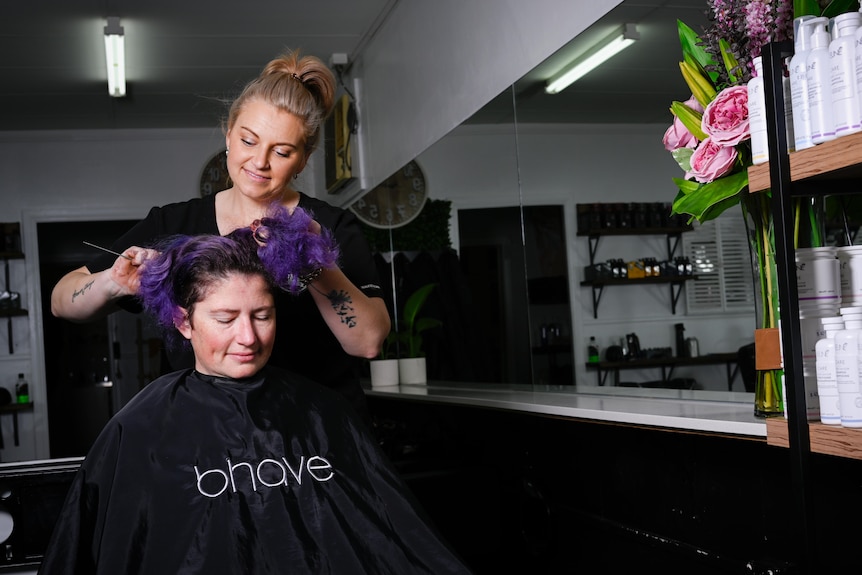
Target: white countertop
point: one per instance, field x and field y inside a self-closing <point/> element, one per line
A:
<point x="719" y="412"/>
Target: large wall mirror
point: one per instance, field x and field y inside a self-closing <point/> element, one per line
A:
<point x="516" y="174"/>
<point x="513" y="176"/>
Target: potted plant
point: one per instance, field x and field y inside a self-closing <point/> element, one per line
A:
<point x="411" y="362"/>
<point x="384" y="368"/>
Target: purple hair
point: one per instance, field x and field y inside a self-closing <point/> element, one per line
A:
<point x="281" y="249"/>
<point x="288" y="249"/>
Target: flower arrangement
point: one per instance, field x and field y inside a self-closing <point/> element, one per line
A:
<point x="710" y="138"/>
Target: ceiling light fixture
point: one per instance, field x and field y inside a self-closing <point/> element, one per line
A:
<point x="598" y="54"/>
<point x="115" y="57"/>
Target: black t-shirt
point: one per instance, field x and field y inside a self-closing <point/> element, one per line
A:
<point x="303" y="343"/>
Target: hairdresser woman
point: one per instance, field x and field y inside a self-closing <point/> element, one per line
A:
<point x="272" y="129"/>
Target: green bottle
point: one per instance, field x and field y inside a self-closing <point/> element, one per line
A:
<point x="593" y="351"/>
<point x="22" y="390"/>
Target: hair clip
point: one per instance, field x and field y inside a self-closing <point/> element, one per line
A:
<point x="259" y="232"/>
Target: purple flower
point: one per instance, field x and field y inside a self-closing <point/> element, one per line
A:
<point x="758" y="24"/>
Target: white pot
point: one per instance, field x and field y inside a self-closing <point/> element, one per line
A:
<point x="384" y="372"/>
<point x="411" y="370"/>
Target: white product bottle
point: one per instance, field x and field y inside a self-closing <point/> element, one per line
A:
<point x="827" y="381"/>
<point x="757" y="115"/>
<point x="819" y="79"/>
<point x="847" y="373"/>
<point x="799" y="83"/>
<point x="842" y="64"/>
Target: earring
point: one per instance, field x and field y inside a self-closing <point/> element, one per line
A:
<point x="226" y="152"/>
<point x="295" y="176"/>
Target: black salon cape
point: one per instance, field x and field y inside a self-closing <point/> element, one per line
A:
<point x="271" y="474"/>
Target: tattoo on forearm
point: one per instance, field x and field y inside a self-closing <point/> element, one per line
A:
<point x="81" y="291"/>
<point x="342" y="304"/>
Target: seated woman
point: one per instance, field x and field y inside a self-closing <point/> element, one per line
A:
<point x="234" y="466"/>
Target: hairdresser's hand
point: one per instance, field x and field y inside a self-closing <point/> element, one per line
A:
<point x="125" y="273"/>
<point x="314" y="227"/>
<point x="82" y="296"/>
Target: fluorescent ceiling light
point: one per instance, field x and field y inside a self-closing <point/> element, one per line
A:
<point x="593" y="57"/>
<point x="115" y="57"/>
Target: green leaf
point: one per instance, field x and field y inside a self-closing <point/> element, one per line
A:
<point x="690" y="43"/>
<point x="411" y="325"/>
<point x="691" y="119"/>
<point x="730" y="61"/>
<point x="708" y="201"/>
<point x="426" y="323"/>
<point x="701" y="86"/>
<point x="415" y="303"/>
<point x="689" y="59"/>
<point x="837" y="7"/>
<point x="805" y="8"/>
<point x="683" y="158"/>
<point x="685" y="187"/>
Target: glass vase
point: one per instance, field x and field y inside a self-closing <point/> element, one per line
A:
<point x="757" y="211"/>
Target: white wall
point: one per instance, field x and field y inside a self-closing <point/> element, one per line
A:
<point x="476" y="166"/>
<point x="433" y="64"/>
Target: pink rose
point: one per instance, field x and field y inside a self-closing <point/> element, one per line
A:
<point x="725" y="119"/>
<point x="678" y="136"/>
<point x="711" y="160"/>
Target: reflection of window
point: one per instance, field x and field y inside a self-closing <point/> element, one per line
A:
<point x="718" y="251"/>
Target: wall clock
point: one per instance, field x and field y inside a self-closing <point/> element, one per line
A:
<point x="396" y="201"/>
<point x="214" y="177"/>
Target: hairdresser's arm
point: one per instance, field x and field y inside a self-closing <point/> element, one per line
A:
<point x="81" y="296"/>
<point x="360" y="323"/>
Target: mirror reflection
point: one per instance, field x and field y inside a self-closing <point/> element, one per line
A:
<point x="508" y="254"/>
<point x="510" y="170"/>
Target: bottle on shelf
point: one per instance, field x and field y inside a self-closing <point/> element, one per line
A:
<point x="799" y="83"/>
<point x="22" y="390"/>
<point x="819" y="82"/>
<point x="680" y="340"/>
<point x="847" y="373"/>
<point x="593" y="350"/>
<point x="757" y="115"/>
<point x="827" y="383"/>
<point x="842" y="64"/>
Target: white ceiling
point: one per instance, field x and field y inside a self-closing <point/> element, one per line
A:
<point x="186" y="58"/>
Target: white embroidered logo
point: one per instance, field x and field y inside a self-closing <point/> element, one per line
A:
<point x="268" y="473"/>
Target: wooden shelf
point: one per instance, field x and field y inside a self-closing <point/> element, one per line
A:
<point x="837" y="159"/>
<point x="825" y="439"/>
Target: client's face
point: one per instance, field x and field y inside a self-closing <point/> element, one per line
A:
<point x="233" y="329"/>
